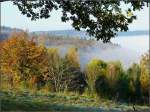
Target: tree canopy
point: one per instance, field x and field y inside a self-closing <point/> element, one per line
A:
<point x="99" y="18"/>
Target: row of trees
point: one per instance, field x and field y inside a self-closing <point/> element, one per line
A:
<point x="25" y="64"/>
<point x="112" y="81"/>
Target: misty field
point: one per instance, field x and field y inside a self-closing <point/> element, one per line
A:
<point x="61" y="102"/>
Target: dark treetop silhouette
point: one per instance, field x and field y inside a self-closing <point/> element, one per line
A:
<point x="99" y="18"/>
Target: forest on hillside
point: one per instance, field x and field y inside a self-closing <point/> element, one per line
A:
<point x="75" y="55"/>
<point x="28" y="65"/>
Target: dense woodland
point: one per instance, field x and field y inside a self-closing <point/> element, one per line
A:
<point x="26" y="65"/>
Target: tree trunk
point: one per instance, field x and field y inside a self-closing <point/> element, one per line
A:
<point x="149" y="95"/>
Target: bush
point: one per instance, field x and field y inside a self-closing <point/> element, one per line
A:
<point x="114" y="84"/>
<point x="102" y="86"/>
<point x="122" y="87"/>
<point x="94" y="69"/>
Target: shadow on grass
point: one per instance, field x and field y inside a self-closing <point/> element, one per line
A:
<point x="8" y="105"/>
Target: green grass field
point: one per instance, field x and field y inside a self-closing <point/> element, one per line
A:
<point x="60" y="102"/>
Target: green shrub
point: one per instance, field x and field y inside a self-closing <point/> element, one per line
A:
<point x="94" y="69"/>
<point x="122" y="87"/>
<point x="102" y="86"/>
<point x="114" y="84"/>
<point x="134" y="82"/>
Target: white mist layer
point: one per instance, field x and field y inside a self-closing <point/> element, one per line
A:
<point x="129" y="51"/>
<point x="126" y="56"/>
<point x="139" y="44"/>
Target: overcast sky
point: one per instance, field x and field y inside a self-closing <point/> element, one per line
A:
<point x="12" y="17"/>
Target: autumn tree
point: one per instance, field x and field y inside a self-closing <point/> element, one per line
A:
<point x="114" y="69"/>
<point x="101" y="19"/>
<point x="63" y="73"/>
<point x="145" y="74"/>
<point x="10" y="57"/>
<point x="23" y="60"/>
<point x="72" y="57"/>
<point x="94" y="69"/>
<point x="134" y="73"/>
<point x="3" y="81"/>
<point x="55" y="72"/>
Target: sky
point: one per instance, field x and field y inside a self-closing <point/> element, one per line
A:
<point x="12" y="17"/>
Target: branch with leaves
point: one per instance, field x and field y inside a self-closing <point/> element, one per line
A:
<point x="101" y="19"/>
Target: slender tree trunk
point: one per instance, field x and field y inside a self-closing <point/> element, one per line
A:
<point x="149" y="96"/>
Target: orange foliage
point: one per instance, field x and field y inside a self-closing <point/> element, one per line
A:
<point x="22" y="58"/>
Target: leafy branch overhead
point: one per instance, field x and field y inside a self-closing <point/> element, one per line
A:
<point x="101" y="19"/>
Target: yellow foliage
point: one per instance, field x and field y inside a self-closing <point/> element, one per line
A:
<point x="94" y="69"/>
<point x="72" y="57"/>
<point x="114" y="69"/>
<point x="53" y="55"/>
<point x="145" y="72"/>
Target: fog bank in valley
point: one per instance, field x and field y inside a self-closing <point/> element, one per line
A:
<point x="127" y="50"/>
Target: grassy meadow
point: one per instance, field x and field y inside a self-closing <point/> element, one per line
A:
<point x="61" y="102"/>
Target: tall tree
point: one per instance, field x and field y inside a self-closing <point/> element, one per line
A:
<point x="22" y="60"/>
<point x="134" y="73"/>
<point x="101" y="19"/>
<point x="145" y="73"/>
